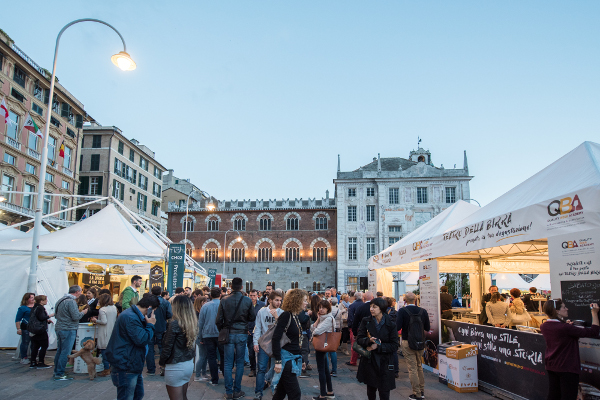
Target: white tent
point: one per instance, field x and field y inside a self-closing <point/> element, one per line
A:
<point x="541" y="282"/>
<point x="105" y="235"/>
<point x="510" y="281"/>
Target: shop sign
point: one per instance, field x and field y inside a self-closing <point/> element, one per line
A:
<point x="157" y="276"/>
<point x="97" y="280"/>
<point x="212" y="273"/>
<point x="176" y="269"/>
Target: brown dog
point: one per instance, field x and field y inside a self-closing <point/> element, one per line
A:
<point x="86" y="355"/>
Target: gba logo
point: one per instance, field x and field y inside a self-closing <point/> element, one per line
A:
<point x="417" y="245"/>
<point x="564" y="206"/>
<point x="570" y="244"/>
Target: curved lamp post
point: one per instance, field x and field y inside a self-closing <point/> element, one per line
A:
<point x="473" y="200"/>
<point x="209" y="206"/>
<point x="121" y="60"/>
<point x="239" y="239"/>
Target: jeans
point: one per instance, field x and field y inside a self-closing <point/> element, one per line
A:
<point x="262" y="375"/>
<point x="333" y="357"/>
<point x="324" y="376"/>
<point x="201" y="361"/>
<point x="150" y="361"/>
<point x="65" y="341"/>
<point x="235" y="350"/>
<point x="129" y="386"/>
<point x="105" y="362"/>
<point x="25" y="339"/>
<point x="39" y="342"/>
<point x="211" y="346"/>
<point x="251" y="353"/>
<point x="288" y="385"/>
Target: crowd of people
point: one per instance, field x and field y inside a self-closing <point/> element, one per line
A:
<point x="218" y="332"/>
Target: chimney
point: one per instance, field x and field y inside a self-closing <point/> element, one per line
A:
<point x="465" y="164"/>
<point x="338" y="163"/>
<point x="378" y="162"/>
<point x="327" y="194"/>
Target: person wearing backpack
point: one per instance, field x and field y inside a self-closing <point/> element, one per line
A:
<point x="414" y="322"/>
<point x="38" y="331"/>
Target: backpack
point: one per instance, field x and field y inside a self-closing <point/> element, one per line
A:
<point x="35" y="326"/>
<point x="416" y="331"/>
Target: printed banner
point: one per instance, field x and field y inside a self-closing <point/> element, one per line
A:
<point x="176" y="267"/>
<point x="212" y="273"/>
<point x="157" y="276"/>
<point x="97" y="280"/>
<point x="508" y="359"/>
<point x="429" y="280"/>
<point x="113" y="269"/>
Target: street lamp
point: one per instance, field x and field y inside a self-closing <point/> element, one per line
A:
<point x="239" y="239"/>
<point x="474" y="201"/>
<point x="210" y="206"/>
<point x="123" y="61"/>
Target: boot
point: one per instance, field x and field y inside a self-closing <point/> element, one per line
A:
<point x="106" y="372"/>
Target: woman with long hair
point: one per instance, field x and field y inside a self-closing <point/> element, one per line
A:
<point x="21" y="320"/>
<point x="498" y="312"/>
<point x="198" y="303"/>
<point x="324" y="323"/>
<point x="378" y="334"/>
<point x="39" y="339"/>
<point x="107" y="316"/>
<point x="562" y="349"/>
<point x="179" y="347"/>
<point x="519" y="314"/>
<point x="288" y="359"/>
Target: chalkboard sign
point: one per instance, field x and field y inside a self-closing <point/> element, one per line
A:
<point x="577" y="296"/>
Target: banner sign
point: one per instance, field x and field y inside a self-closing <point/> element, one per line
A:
<point x="97" y="280"/>
<point x="212" y="273"/>
<point x="429" y="280"/>
<point x="157" y="276"/>
<point x="176" y="267"/>
<point x="85" y="267"/>
<point x="508" y="359"/>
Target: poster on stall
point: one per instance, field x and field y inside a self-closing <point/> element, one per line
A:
<point x="176" y="267"/>
<point x="212" y="273"/>
<point x="575" y="278"/>
<point x="429" y="280"/>
<point x="87" y="267"/>
<point x="157" y="276"/>
<point x="372" y="280"/>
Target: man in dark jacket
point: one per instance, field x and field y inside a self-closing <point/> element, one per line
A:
<point x="235" y="312"/>
<point x="445" y="303"/>
<point x="256" y="306"/>
<point x="412" y="357"/>
<point x="126" y="350"/>
<point x="162" y="314"/>
<point x="363" y="310"/>
<point x="351" y="311"/>
<point x="530" y="305"/>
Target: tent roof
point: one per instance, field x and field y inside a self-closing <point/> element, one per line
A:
<point x="510" y="281"/>
<point x="541" y="282"/>
<point x="105" y="235"/>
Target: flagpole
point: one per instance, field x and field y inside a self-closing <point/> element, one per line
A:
<point x="32" y="279"/>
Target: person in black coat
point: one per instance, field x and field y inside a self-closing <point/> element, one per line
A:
<point x="364" y="310"/>
<point x="92" y="301"/>
<point x="378" y="334"/>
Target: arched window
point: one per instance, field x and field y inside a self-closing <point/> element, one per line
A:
<point x="321" y="222"/>
<point x="320" y="252"/>
<point x="265" y="252"/>
<point x="188" y="250"/>
<point x="239" y="224"/>
<point x="272" y="284"/>
<point x="265" y="223"/>
<point x="314" y="286"/>
<point x="292" y="252"/>
<point x="249" y="286"/>
<point x="212" y="224"/>
<point x="211" y="253"/>
<point x="421" y="159"/>
<point x="291" y="224"/>
<point x="190" y="225"/>
<point x="294" y="285"/>
<point x="238" y="253"/>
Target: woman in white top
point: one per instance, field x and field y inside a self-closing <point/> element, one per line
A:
<point x="337" y="314"/>
<point x="519" y="315"/>
<point x="324" y="323"/>
<point x="498" y="312"/>
<point x="107" y="316"/>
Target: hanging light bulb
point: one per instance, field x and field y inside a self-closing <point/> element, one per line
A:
<point x="123" y="61"/>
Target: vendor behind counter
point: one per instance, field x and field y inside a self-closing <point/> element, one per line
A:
<point x="445" y="303"/>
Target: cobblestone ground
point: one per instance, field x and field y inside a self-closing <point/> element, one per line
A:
<point x="18" y="382"/>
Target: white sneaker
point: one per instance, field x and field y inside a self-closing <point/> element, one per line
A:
<point x="25" y="361"/>
<point x="199" y="378"/>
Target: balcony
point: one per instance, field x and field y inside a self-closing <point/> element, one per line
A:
<point x="34" y="154"/>
<point x="13" y="143"/>
<point x="67" y="171"/>
<point x="5" y="205"/>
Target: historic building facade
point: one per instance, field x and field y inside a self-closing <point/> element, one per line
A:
<point x="288" y="243"/>
<point x="383" y="201"/>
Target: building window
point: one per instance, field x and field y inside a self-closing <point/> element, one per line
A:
<point x="308" y="270"/>
<point x="211" y="255"/>
<point x="38" y="92"/>
<point x="422" y="195"/>
<point x="49" y="177"/>
<point x="37" y="109"/>
<point x="119" y="168"/>
<point x="370" y="192"/>
<point x="353" y="283"/>
<point x="392" y="240"/>
<point x="320" y="252"/>
<point x="294" y="285"/>
<point x="28" y="198"/>
<point x="71" y="133"/>
<point x="213" y="224"/>
<point x="394" y="196"/>
<point x="239" y="224"/>
<point x="144" y="163"/>
<point x="55" y="122"/>
<point x="188" y="225"/>
<point x="19" y="76"/>
<point x="66" y="185"/>
<point x="370" y="213"/>
<point x="96" y="141"/>
<point x="395" y="228"/>
<point x="51" y="149"/>
<point x="8" y="184"/>
<point x="94" y="185"/>
<point x="265" y="223"/>
<point x="157" y="172"/>
<point x="156" y="189"/>
<point x="32" y="141"/>
<point x="238" y="254"/>
<point x="9" y="159"/>
<point x="143" y="184"/>
<point x="13" y="125"/>
<point x="265" y="254"/>
<point x="351" y="213"/>
<point x="352" y="248"/>
<point x="121" y="147"/>
<point x="67" y="158"/>
<point x="30" y="169"/>
<point x="95" y="162"/>
<point x="371" y="249"/>
<point x="321" y="223"/>
<point x="64" y="204"/>
<point x="118" y="190"/>
<point x="55" y="104"/>
<point x="291" y="224"/>
<point x="271" y="284"/>
<point x="47" y="204"/>
<point x="188" y="250"/>
<point x="142" y="202"/>
<point x="131" y="155"/>
<point x="352" y="192"/>
<point x="249" y="286"/>
<point x="450" y="195"/>
<point x="155" y="208"/>
<point x="292" y="253"/>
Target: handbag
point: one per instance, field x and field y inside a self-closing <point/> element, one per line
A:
<point x="224" y="333"/>
<point x="266" y="341"/>
<point x="327" y="342"/>
<point x="361" y="350"/>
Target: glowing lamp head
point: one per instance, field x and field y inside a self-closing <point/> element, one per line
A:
<point x="210" y="206"/>
<point x="123" y="61"/>
<point x="2" y="198"/>
<point x="239" y="239"/>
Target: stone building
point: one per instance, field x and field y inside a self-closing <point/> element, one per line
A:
<point x="381" y="202"/>
<point x="176" y="190"/>
<point x="25" y="88"/>
<point x="112" y="164"/>
<point x="288" y="243"/>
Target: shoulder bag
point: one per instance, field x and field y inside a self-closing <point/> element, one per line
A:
<point x="327" y="342"/>
<point x="266" y="340"/>
<point x="224" y="333"/>
<point x="361" y="350"/>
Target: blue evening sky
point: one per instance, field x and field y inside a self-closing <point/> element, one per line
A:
<point x="255" y="99"/>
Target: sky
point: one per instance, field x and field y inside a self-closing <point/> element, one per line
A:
<point x="255" y="99"/>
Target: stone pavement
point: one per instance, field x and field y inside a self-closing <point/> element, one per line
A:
<point x="18" y="382"/>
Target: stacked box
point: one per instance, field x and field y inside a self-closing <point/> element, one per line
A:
<point x="462" y="368"/>
<point x="443" y="361"/>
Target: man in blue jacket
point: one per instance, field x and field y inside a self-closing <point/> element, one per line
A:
<point x="127" y="347"/>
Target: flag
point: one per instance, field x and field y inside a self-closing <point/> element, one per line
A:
<point x="4" y="110"/>
<point x="61" y="150"/>
<point x="31" y="126"/>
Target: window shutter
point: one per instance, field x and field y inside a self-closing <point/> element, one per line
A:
<point x="134" y="176"/>
<point x="46" y="96"/>
<point x="65" y="110"/>
<point x="117" y="167"/>
<point x="79" y="121"/>
<point x="84" y="185"/>
<point x="145" y="202"/>
<point x="122" y="191"/>
<point x="100" y="186"/>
